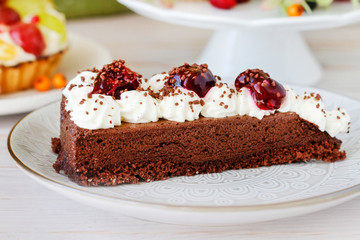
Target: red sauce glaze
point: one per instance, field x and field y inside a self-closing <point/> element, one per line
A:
<point x="197" y="78"/>
<point x="266" y="92"/>
<point x="115" y="78"/>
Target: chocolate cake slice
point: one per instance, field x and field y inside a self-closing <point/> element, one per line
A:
<point x="132" y="152"/>
<point x="173" y="132"/>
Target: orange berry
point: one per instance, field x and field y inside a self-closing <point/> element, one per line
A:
<point x="59" y="80"/>
<point x="42" y="83"/>
<point x="295" y="10"/>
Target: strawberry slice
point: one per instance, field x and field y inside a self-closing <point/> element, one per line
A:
<point x="8" y="16"/>
<point x="28" y="37"/>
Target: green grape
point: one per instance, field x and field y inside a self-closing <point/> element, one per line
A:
<point x="26" y="7"/>
<point x="53" y="23"/>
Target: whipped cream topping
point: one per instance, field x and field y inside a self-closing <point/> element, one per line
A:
<point x="98" y="111"/>
<point x="220" y="102"/>
<point x="180" y="106"/>
<point x="53" y="41"/>
<point x="247" y="106"/>
<point x="155" y="83"/>
<point x="19" y="54"/>
<point x="138" y="107"/>
<point x="183" y="105"/>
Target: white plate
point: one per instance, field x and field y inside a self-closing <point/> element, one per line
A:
<point x="83" y="54"/>
<point x="231" y="197"/>
<point x="249" y="15"/>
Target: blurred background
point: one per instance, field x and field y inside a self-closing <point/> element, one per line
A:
<point x="80" y="9"/>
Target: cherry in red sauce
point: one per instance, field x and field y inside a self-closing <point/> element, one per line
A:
<point x="8" y="16"/>
<point x="266" y="92"/>
<point x="28" y="37"/>
<point x="197" y="78"/>
<point x="114" y="79"/>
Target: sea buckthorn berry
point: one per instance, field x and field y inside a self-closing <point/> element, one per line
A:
<point x="295" y="10"/>
<point x="42" y="84"/>
<point x="58" y="80"/>
<point x="266" y="92"/>
<point x="115" y="78"/>
<point x="197" y="78"/>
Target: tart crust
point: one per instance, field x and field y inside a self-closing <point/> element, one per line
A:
<point x="22" y="76"/>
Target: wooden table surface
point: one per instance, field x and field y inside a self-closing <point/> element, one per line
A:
<point x="30" y="211"/>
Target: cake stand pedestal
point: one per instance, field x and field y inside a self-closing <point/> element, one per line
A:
<point x="249" y="37"/>
<point x="283" y="54"/>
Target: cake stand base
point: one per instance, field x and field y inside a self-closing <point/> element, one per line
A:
<point x="283" y="54"/>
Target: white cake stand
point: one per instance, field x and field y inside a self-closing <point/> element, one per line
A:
<point x="249" y="37"/>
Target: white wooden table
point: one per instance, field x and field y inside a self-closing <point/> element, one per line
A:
<point x="30" y="211"/>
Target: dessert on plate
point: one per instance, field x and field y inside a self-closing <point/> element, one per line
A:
<point x="32" y="42"/>
<point x="117" y="127"/>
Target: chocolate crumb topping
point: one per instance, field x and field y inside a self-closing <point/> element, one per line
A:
<point x="72" y="86"/>
<point x="318" y="97"/>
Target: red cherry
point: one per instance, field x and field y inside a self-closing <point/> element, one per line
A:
<point x="266" y="92"/>
<point x="242" y="1"/>
<point x="9" y="16"/>
<point x="223" y="4"/>
<point x="29" y="37"/>
<point x="35" y="19"/>
<point x="197" y="78"/>
<point x="115" y="78"/>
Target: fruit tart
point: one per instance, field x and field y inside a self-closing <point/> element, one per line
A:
<point x="32" y="42"/>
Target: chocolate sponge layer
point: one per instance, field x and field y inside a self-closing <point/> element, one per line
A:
<point x="131" y="153"/>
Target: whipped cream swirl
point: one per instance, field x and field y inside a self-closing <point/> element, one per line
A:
<point x="181" y="105"/>
<point x="155" y="83"/>
<point x="100" y="111"/>
<point x="220" y="102"/>
<point x="138" y="107"/>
